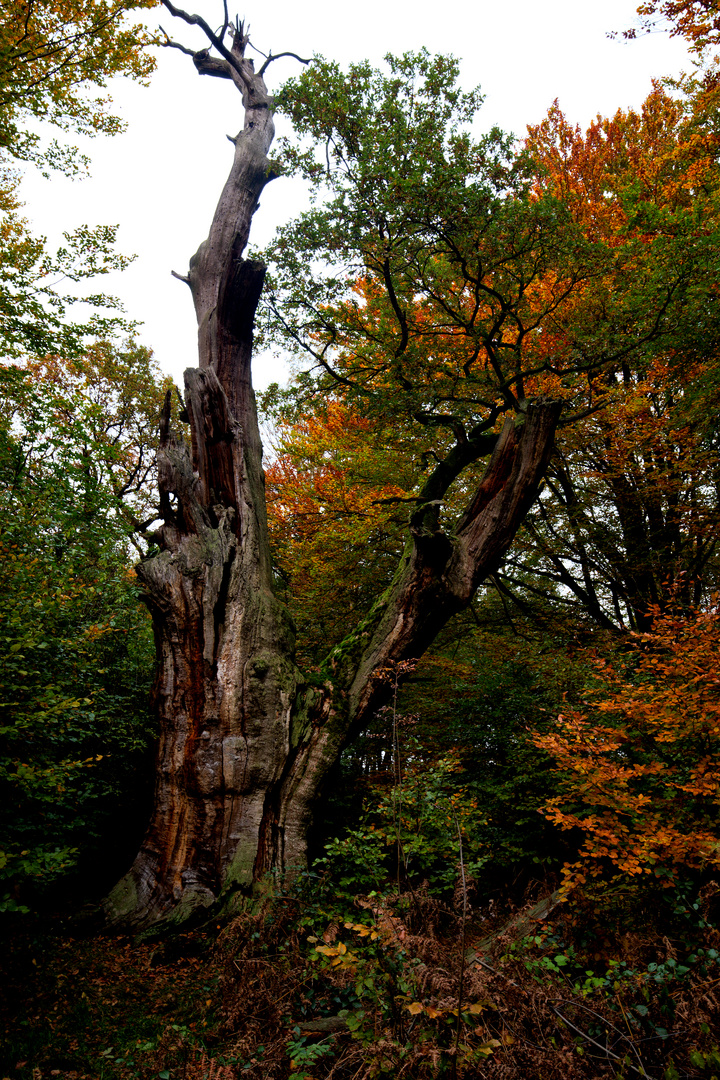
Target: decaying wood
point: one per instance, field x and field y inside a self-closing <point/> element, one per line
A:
<point x="325" y="1025"/>
<point x="245" y="745"/>
<point x="519" y="926"/>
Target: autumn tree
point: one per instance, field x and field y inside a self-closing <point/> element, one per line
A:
<point x="246" y="741"/>
<point x="638" y="765"/>
<point x="55" y="62"/>
<point x="425" y="289"/>
<point x="629" y="517"/>
<point x="629" y="511"/>
<point x="77" y="456"/>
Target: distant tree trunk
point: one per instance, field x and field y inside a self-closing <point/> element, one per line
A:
<point x="245" y="745"/>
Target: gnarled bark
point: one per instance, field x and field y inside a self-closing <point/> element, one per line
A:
<point x="245" y="745"/>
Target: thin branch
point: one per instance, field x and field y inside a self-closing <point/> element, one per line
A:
<point x="168" y="43"/>
<point x="501" y="590"/>
<point x="584" y="413"/>
<point x="27" y="19"/>
<point x="605" y="1050"/>
<point x="278" y="56"/>
<point x="395" y="500"/>
<point x="318" y="356"/>
<point x="443" y="420"/>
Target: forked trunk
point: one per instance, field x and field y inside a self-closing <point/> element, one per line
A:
<point x="245" y="746"/>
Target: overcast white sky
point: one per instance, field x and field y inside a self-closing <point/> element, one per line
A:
<point x="161" y="179"/>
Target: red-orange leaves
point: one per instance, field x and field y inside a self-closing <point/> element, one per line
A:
<point x="641" y="768"/>
<point x="663" y="155"/>
<point x="698" y="21"/>
<point x="335" y="508"/>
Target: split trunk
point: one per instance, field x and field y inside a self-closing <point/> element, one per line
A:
<point x="245" y="744"/>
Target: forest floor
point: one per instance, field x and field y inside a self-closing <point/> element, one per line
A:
<point x="84" y="1008"/>
<point x="298" y="992"/>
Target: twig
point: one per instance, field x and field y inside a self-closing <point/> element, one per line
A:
<point x="168" y="43"/>
<point x="588" y="1038"/>
<point x="476" y="960"/>
<point x="604" y="1049"/>
<point x="630" y="1038"/>
<point x="462" y="946"/>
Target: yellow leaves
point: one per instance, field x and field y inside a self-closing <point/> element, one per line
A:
<point x="51" y="53"/>
<point x="338" y="955"/>
<point x="415" y="1008"/>
<point x="331" y="950"/>
<point x="363" y="930"/>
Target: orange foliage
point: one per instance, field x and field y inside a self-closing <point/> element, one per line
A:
<point x="666" y="152"/>
<point x="641" y="770"/>
<point x="333" y="493"/>
<point x="698" y="21"/>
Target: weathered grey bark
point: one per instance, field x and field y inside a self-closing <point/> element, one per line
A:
<point x="245" y="746"/>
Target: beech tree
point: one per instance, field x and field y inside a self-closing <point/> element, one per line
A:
<point x="77" y="448"/>
<point x="425" y="288"/>
<point x="629" y="522"/>
<point x="55" y="60"/>
<point x="639" y="771"/>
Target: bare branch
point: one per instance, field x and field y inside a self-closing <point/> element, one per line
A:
<point x="258" y="51"/>
<point x="278" y="56"/>
<point x="168" y="43"/>
<point x="203" y="61"/>
<point x="197" y="20"/>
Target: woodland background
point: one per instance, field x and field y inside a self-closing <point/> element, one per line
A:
<point x="514" y="873"/>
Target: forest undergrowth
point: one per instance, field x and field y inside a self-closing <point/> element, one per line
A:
<point x="437" y="933"/>
<point x="318" y="983"/>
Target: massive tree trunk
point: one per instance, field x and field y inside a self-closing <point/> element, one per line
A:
<point x="245" y="745"/>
